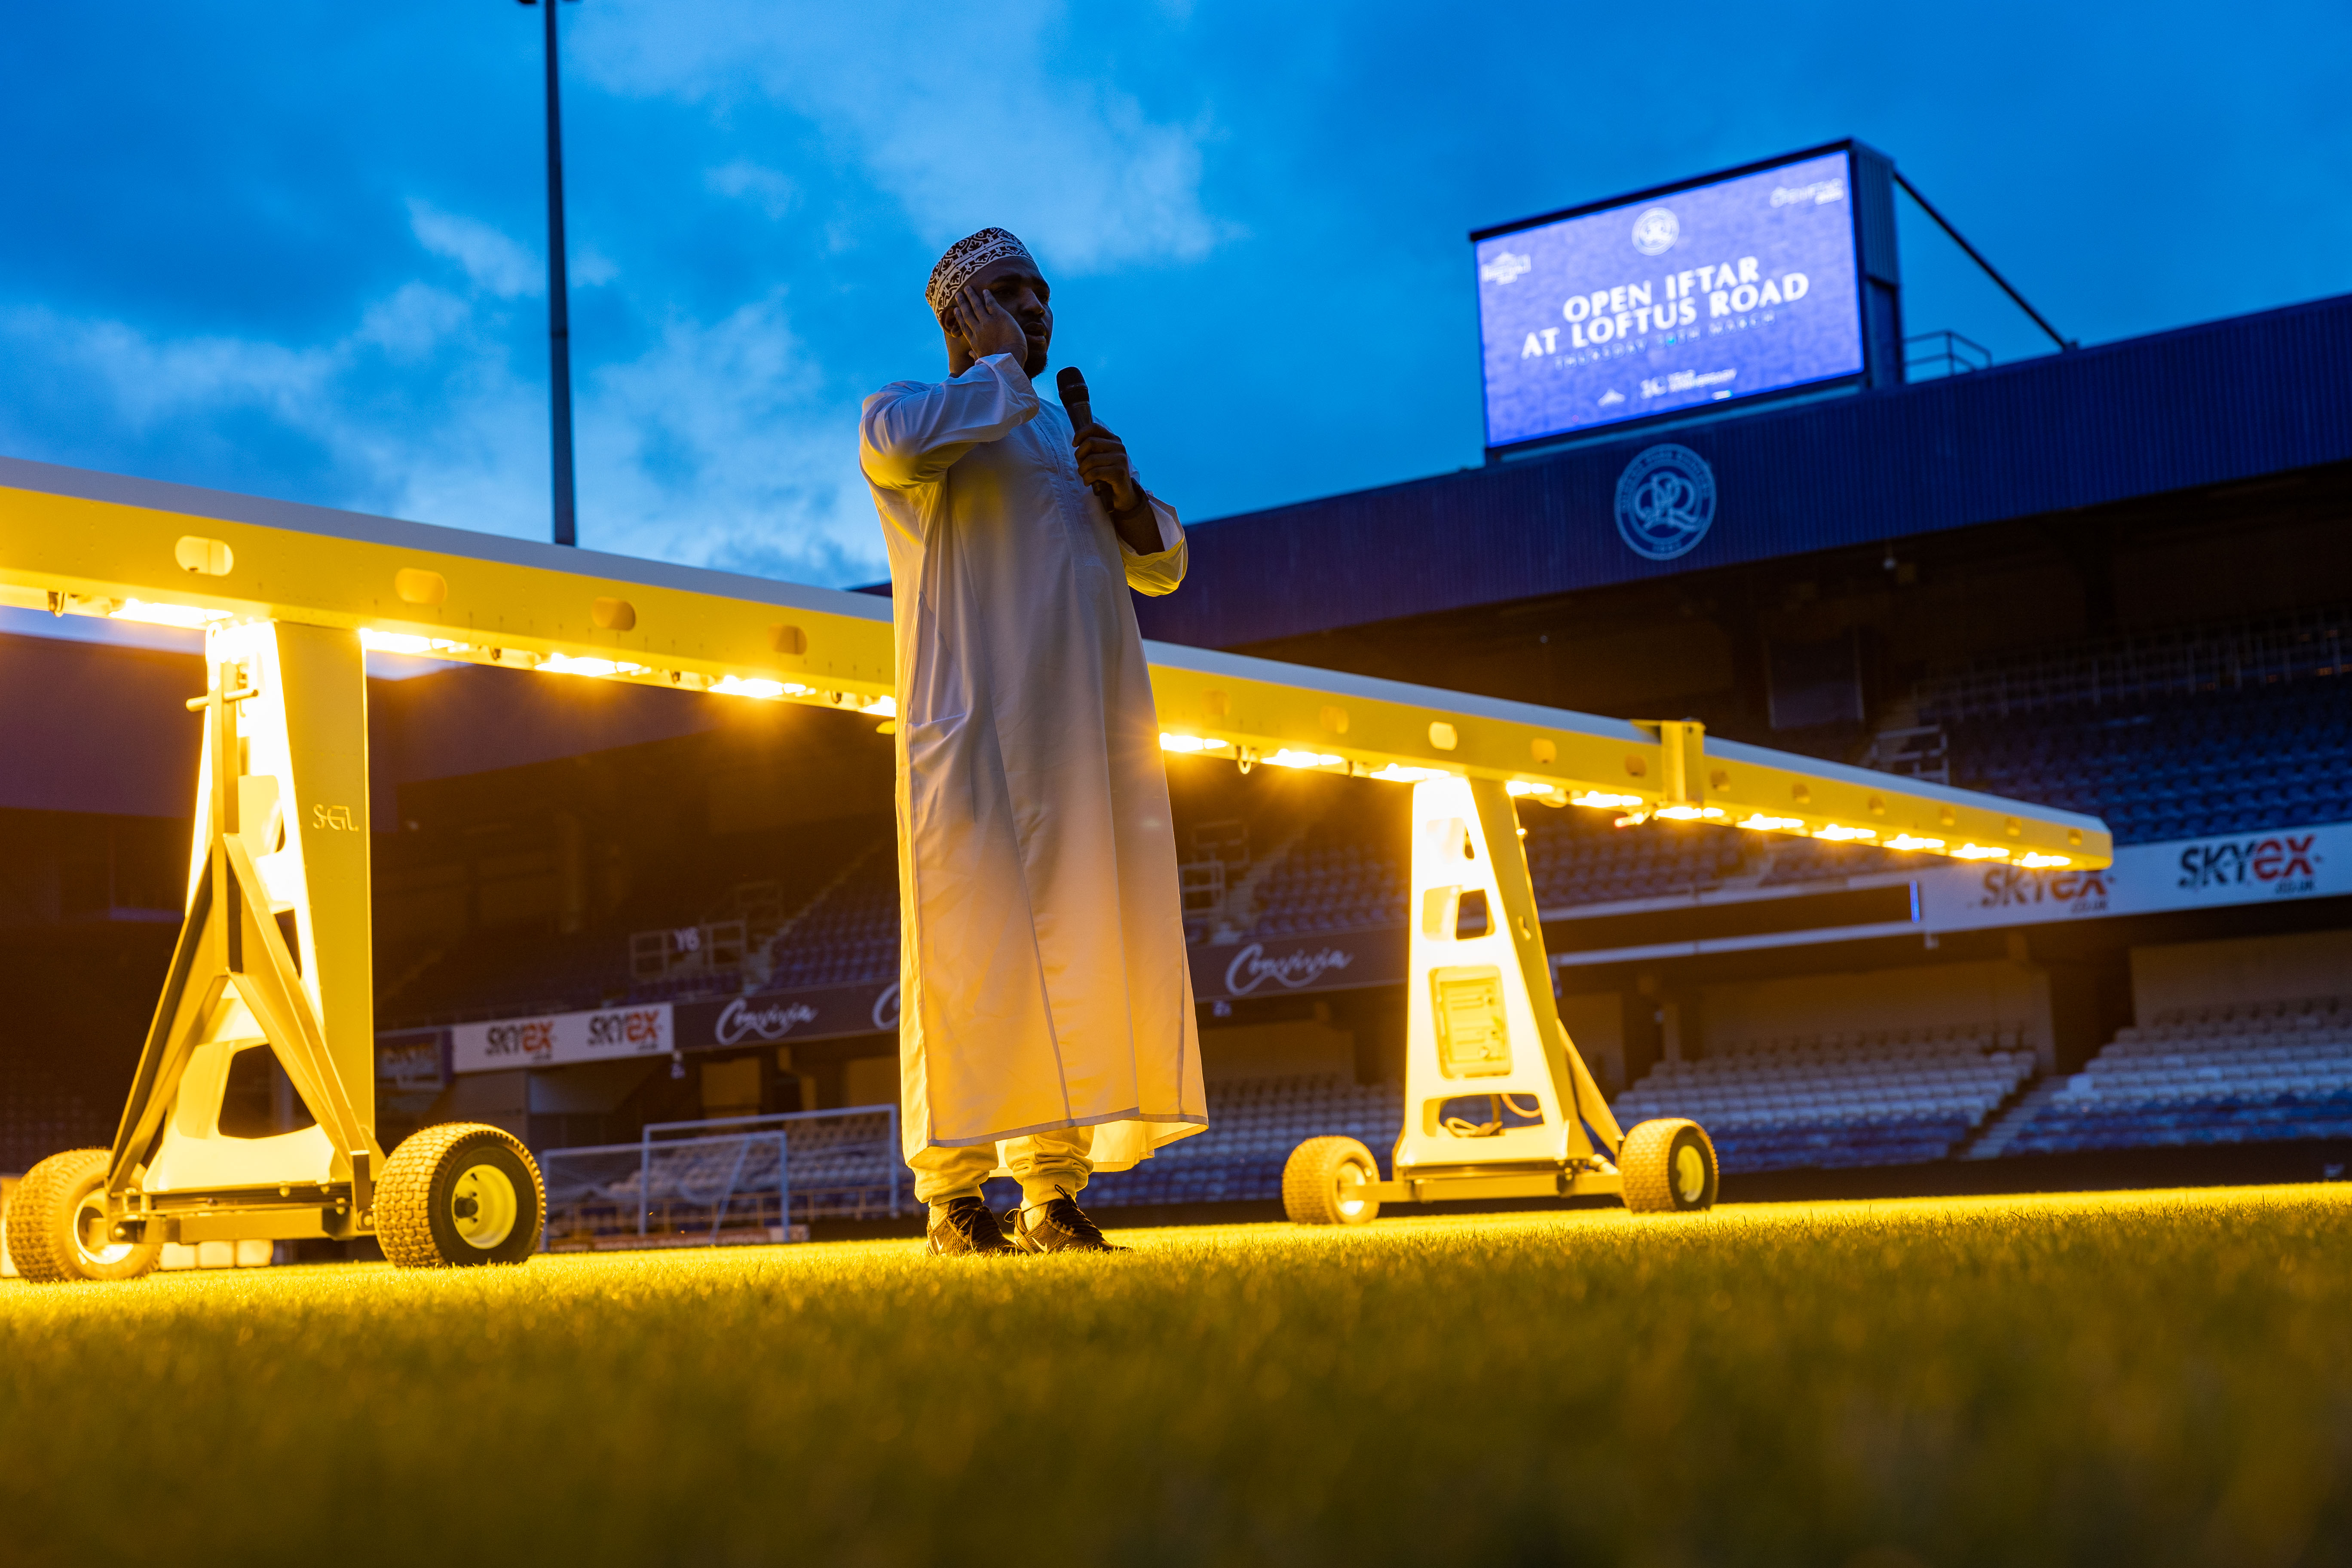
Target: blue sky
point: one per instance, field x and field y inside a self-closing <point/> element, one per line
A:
<point x="299" y="250"/>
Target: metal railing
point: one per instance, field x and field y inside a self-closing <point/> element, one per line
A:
<point x="1943" y="353"/>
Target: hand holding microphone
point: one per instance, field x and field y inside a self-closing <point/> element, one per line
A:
<point x="1102" y="457"/>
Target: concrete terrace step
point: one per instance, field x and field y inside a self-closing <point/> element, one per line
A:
<point x="2006" y="1124"/>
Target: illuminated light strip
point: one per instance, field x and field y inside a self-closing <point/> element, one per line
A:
<point x="736" y="686"/>
<point x="1837" y="834"/>
<point x="1690" y="813"/>
<point x="1910" y="841"/>
<point x="411" y="644"/>
<point x="184" y="616"/>
<point x="882" y="708"/>
<point x="2038" y="862"/>
<point x="573" y="664"/>
<point x="1763" y="824"/>
<point x="1286" y="757"/>
<point x="1399" y="773"/>
<point x="1169" y="743"/>
<point x="1980" y="852"/>
<point x="124" y="557"/>
<point x="1530" y="787"/>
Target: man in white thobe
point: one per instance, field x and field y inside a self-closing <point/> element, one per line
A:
<point x="1045" y="1023"/>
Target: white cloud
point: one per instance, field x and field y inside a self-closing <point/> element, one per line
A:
<point x="959" y="121"/>
<point x="589" y="267"/>
<point x="150" y="380"/>
<point x="492" y="260"/>
<point x="717" y="446"/>
<point x="771" y="191"/>
<point x="410" y="324"/>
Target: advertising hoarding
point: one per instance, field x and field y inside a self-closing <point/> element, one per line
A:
<point x="1712" y="293"/>
<point x="551" y="1039"/>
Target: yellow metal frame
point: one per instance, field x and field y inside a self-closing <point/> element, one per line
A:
<point x="290" y="597"/>
<point x="94" y="544"/>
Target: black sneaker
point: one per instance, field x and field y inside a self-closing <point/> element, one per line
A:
<point x="967" y="1230"/>
<point x="1059" y="1225"/>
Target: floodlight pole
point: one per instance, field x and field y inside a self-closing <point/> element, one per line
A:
<point x="558" y="310"/>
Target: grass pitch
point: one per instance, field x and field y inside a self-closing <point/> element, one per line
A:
<point x="2145" y="1378"/>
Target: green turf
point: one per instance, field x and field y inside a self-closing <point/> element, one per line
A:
<point x="2142" y="1379"/>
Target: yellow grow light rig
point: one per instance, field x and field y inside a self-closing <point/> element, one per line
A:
<point x="275" y="950"/>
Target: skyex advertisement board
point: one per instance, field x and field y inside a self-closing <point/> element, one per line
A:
<point x="2313" y="862"/>
<point x="551" y="1039"/>
<point x="1706" y="294"/>
<point x="2254" y="868"/>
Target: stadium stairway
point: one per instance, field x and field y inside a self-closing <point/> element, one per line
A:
<point x="2251" y="1073"/>
<point x="1993" y="1139"/>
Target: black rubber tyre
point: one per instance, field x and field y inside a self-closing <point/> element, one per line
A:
<point x="1669" y="1167"/>
<point x="458" y="1196"/>
<point x="57" y="1224"/>
<point x="1315" y="1179"/>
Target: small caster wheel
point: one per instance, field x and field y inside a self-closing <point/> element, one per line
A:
<point x="1323" y="1182"/>
<point x="459" y="1194"/>
<point x="1669" y="1167"/>
<point x="58" y="1228"/>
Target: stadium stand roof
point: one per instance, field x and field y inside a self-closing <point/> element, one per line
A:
<point x="2225" y="401"/>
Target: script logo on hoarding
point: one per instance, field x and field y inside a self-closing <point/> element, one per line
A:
<point x="1506" y="268"/>
<point x="1656" y="231"/>
<point x="886" y="1009"/>
<point x="1251" y="968"/>
<point x="741" y="1021"/>
<point x="1665" y="501"/>
<point x="2283" y="864"/>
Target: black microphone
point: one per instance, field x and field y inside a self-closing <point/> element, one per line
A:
<point x="1075" y="401"/>
<point x="1080" y="408"/>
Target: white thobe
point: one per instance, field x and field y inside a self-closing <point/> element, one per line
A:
<point x="1042" y="971"/>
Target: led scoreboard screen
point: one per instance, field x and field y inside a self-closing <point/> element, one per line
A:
<point x="1706" y="294"/>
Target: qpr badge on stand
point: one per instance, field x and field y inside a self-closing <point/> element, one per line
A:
<point x="1665" y="501"/>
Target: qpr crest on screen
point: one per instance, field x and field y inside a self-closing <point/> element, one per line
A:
<point x="1665" y="501"/>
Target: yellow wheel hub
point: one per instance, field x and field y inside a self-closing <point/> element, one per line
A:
<point x="483" y="1205"/>
<point x="1689" y="1174"/>
<point x="90" y="1226"/>
<point x="1351" y="1187"/>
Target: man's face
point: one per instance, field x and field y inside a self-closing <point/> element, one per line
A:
<point x="1025" y="296"/>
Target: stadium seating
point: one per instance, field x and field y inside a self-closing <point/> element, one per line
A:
<point x="2192" y="767"/>
<point x="1253" y="1124"/>
<point x="1578" y="855"/>
<point x="1838" y="1099"/>
<point x="38" y="1117"/>
<point x="848" y="935"/>
<point x="1331" y="881"/>
<point x="1815" y="860"/>
<point x="507" y="972"/>
<point x="2252" y="1074"/>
